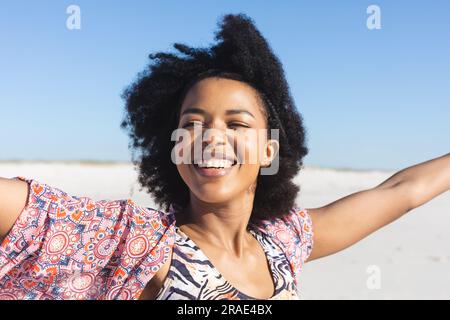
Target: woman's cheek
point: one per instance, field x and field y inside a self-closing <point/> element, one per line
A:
<point x="248" y="151"/>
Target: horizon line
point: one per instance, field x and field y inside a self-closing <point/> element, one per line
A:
<point x="124" y="162"/>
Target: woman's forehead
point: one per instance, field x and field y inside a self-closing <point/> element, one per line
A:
<point x="223" y="95"/>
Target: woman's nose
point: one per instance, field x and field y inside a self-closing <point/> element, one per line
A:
<point x="215" y="136"/>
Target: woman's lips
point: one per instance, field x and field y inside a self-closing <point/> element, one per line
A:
<point x="213" y="172"/>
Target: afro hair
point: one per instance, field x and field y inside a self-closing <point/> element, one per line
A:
<point x="154" y="99"/>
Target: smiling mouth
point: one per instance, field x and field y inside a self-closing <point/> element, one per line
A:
<point x="215" y="168"/>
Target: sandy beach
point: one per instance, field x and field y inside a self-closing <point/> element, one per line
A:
<point x="411" y="255"/>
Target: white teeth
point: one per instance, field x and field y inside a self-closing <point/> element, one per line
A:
<point x="215" y="163"/>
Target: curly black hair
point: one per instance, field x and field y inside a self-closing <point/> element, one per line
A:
<point x="154" y="99"/>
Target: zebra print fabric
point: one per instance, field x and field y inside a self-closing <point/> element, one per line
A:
<point x="193" y="277"/>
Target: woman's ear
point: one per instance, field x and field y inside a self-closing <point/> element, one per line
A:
<point x="270" y="152"/>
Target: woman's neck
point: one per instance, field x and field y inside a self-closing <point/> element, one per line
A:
<point x="221" y="225"/>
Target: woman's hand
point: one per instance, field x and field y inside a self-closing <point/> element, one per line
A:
<point x="13" y="197"/>
<point x="344" y="222"/>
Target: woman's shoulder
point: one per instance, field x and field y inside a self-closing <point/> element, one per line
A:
<point x="293" y="233"/>
<point x="296" y="220"/>
<point x="54" y="200"/>
<point x="86" y="214"/>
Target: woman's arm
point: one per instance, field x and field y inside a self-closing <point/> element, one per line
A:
<point x="13" y="197"/>
<point x="344" y="222"/>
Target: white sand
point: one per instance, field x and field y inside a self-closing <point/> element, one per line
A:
<point x="412" y="254"/>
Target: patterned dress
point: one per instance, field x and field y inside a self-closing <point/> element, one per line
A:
<point x="69" y="247"/>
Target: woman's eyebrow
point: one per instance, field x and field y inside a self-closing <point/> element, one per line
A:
<point x="194" y="110"/>
<point x="237" y="111"/>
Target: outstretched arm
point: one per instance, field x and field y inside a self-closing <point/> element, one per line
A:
<point x="344" y="222"/>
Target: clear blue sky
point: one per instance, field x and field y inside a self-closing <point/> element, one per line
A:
<point x="369" y="98"/>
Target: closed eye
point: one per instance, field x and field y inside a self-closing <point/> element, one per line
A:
<point x="231" y="125"/>
<point x="192" y="123"/>
<point x="238" y="124"/>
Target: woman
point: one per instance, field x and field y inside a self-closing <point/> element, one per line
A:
<point x="226" y="231"/>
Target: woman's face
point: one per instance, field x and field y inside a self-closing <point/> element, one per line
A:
<point x="227" y="136"/>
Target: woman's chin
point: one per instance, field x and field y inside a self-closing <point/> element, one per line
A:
<point x="209" y="194"/>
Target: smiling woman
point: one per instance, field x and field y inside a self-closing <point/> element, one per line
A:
<point x="225" y="92"/>
<point x="222" y="219"/>
<point x="177" y="91"/>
